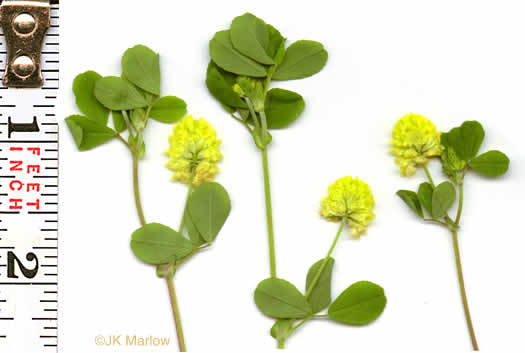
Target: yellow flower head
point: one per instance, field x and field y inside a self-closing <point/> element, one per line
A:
<point x="194" y="149"/>
<point x="415" y="140"/>
<point x="352" y="199"/>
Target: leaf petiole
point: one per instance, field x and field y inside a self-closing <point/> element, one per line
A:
<point x="321" y="269"/>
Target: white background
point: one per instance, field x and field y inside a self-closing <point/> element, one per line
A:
<point x="449" y="60"/>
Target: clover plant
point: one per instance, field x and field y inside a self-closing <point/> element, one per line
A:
<point x="415" y="141"/>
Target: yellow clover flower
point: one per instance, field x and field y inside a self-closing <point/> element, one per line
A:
<point x="193" y="151"/>
<point x="415" y="140"/>
<point x="351" y="198"/>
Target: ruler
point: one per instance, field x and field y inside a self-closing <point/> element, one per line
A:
<point x="29" y="178"/>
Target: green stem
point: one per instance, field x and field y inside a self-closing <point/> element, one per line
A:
<point x="252" y="113"/>
<point x="264" y="123"/>
<point x="136" y="191"/>
<point x="460" y="206"/>
<point x="325" y="261"/>
<point x="463" y="291"/>
<point x="190" y="190"/>
<point x="269" y="217"/>
<point x="436" y="221"/>
<point x="176" y="314"/>
<point x="305" y="320"/>
<point x="428" y="176"/>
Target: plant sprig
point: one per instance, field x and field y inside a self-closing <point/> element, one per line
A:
<point x="458" y="153"/>
<point x="359" y="304"/>
<point x="245" y="59"/>
<point x="133" y="98"/>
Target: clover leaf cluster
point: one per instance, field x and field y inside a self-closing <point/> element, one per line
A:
<point x="245" y="59"/>
<point x="132" y="99"/>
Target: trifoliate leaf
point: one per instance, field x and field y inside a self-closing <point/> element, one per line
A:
<point x="443" y="198"/>
<point x="321" y="295"/>
<point x="411" y="199"/>
<point x="228" y="58"/>
<point x="491" y="163"/>
<point x="158" y="244"/>
<point x="249" y="35"/>
<point x="465" y="140"/>
<point x="280" y="299"/>
<point x="140" y="65"/>
<point x="84" y="89"/>
<point x="359" y="304"/>
<point x="302" y="59"/>
<point x="116" y="93"/>
<point x="209" y="206"/>
<point x="168" y="109"/>
<point x="88" y="133"/>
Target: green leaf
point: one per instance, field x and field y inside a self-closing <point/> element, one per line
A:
<point x="168" y="109"/>
<point x="321" y="295"/>
<point x="116" y="93"/>
<point x="280" y="299"/>
<point x="88" y="133"/>
<point x="424" y="194"/>
<point x="442" y="199"/>
<point x="282" y="107"/>
<point x="193" y="232"/>
<point x="411" y="199"/>
<point x="158" y="244"/>
<point x="141" y="66"/>
<point x="275" y="48"/>
<point x="118" y="121"/>
<point x="465" y="140"/>
<point x="84" y="89"/>
<point x="302" y="59"/>
<point x="359" y="304"/>
<point x="225" y="56"/>
<point x="491" y="163"/>
<point x="249" y="35"/>
<point x="209" y="206"/>
<point x="220" y="84"/>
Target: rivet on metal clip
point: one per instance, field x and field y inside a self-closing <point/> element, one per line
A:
<point x="25" y="24"/>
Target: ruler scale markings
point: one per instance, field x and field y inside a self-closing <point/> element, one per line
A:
<point x="30" y="327"/>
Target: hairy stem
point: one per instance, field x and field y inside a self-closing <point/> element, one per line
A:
<point x="176" y="314"/>
<point x="463" y="291"/>
<point x="269" y="217"/>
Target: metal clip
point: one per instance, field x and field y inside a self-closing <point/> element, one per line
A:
<point x="25" y="24"/>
